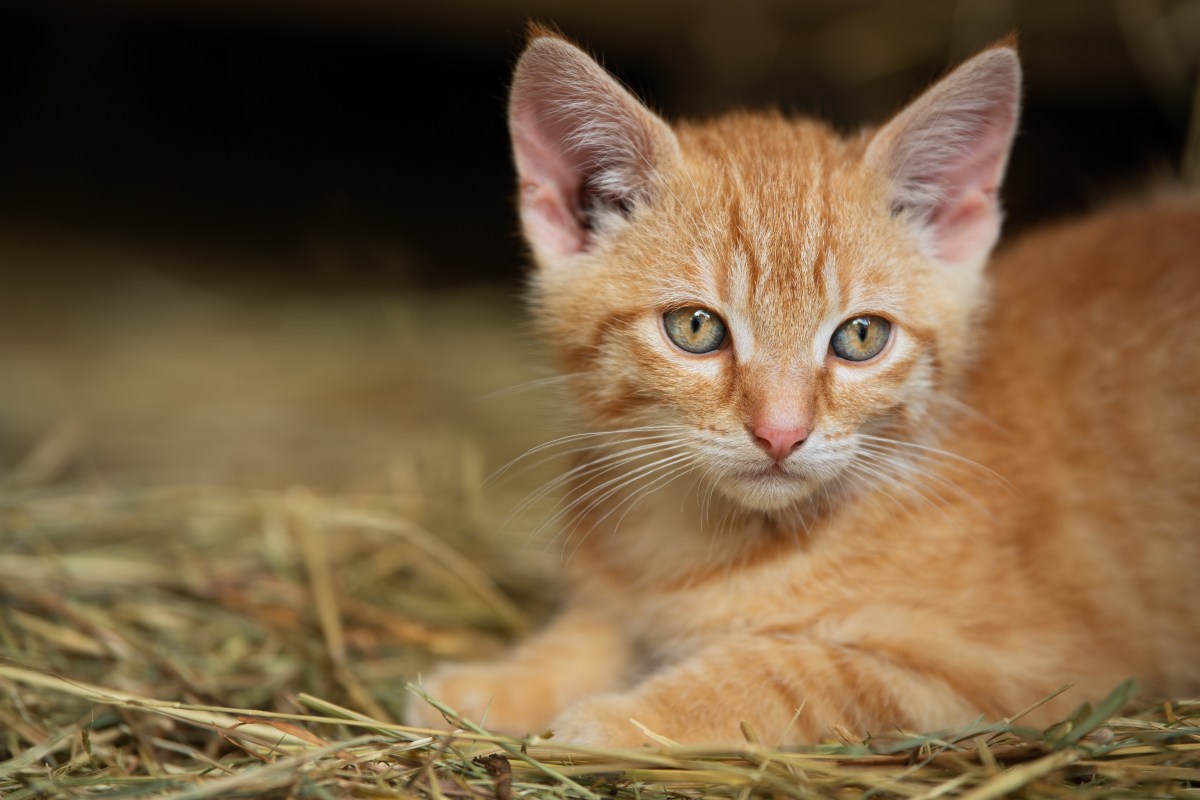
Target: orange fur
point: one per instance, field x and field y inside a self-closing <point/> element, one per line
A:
<point x="1030" y="520"/>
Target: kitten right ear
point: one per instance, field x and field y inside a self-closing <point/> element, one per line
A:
<point x="585" y="148"/>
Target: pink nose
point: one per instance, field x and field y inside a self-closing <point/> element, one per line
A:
<point x="778" y="443"/>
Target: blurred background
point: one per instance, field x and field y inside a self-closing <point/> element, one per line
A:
<point x="272" y="240"/>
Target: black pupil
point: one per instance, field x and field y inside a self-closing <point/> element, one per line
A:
<point x="697" y="321"/>
<point x="861" y="326"/>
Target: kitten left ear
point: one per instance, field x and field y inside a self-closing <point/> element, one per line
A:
<point x="945" y="156"/>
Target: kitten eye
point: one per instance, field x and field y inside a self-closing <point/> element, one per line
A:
<point x="861" y="338"/>
<point x="695" y="330"/>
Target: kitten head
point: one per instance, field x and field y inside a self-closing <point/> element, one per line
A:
<point x="786" y="297"/>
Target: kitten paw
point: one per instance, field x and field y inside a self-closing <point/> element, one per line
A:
<point x="491" y="696"/>
<point x="604" y="720"/>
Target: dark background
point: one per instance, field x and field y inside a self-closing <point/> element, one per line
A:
<point x="315" y="145"/>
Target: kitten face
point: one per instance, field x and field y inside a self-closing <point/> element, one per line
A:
<point x="770" y="293"/>
<point x="784" y="249"/>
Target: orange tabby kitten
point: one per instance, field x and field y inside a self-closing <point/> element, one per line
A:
<point x="844" y="468"/>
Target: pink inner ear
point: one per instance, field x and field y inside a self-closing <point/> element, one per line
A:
<point x="549" y="191"/>
<point x="968" y="217"/>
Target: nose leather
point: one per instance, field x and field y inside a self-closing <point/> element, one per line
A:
<point x="778" y="443"/>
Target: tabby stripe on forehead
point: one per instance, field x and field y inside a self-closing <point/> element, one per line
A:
<point x="732" y="277"/>
<point x="743" y="252"/>
<point x="818" y="243"/>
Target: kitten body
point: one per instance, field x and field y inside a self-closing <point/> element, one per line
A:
<point x="1000" y="502"/>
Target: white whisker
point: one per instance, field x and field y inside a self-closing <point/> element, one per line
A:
<point x="583" y="448"/>
<point x="528" y="386"/>
<point x="610" y="488"/>
<point x="592" y="469"/>
<point x="945" y="454"/>
<point x="633" y="499"/>
<point x="576" y="437"/>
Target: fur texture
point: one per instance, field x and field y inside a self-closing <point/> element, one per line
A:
<point x="1003" y="501"/>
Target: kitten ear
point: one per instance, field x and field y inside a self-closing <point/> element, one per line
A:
<point x="586" y="149"/>
<point x="945" y="155"/>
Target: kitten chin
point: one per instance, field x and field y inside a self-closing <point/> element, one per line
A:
<point x="786" y="489"/>
<point x="776" y="496"/>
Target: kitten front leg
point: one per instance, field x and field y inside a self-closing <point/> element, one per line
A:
<point x="763" y="681"/>
<point x="581" y="652"/>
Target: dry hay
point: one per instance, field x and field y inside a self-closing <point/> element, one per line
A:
<point x="199" y="642"/>
<point x="255" y="524"/>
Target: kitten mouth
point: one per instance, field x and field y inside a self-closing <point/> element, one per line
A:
<point x="772" y="475"/>
<point x="774" y="470"/>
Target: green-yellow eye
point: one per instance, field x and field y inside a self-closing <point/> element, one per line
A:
<point x="694" y="329"/>
<point x="861" y="338"/>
